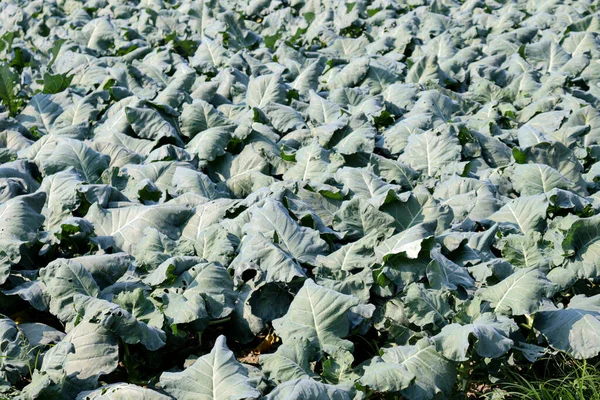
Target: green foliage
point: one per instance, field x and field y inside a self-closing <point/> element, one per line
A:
<point x="561" y="378"/>
<point x="56" y="83"/>
<point x="298" y="199"/>
<point x="9" y="81"/>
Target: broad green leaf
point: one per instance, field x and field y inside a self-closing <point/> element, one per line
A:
<point x="409" y="242"/>
<point x="308" y="78"/>
<point x="217" y="375"/>
<point x="313" y="162"/>
<point x="106" y="269"/>
<point x="147" y="123"/>
<point x="14" y="355"/>
<point x="187" y="180"/>
<point x="337" y="368"/>
<point x="427" y="306"/>
<point x="215" y="244"/>
<point x="273" y="221"/>
<point x="557" y="156"/>
<point x="43" y="110"/>
<point x="426" y="70"/>
<point x="319" y="315"/>
<point x="290" y="361"/>
<point x="393" y="171"/>
<point x="62" y="196"/>
<point x="239" y="37"/>
<point x="91" y="342"/>
<point x="39" y="334"/>
<point x="209" y="55"/>
<point x="523" y="214"/>
<point x="56" y="83"/>
<point x="50" y="379"/>
<point x="532" y="179"/>
<point x="443" y="273"/>
<point x="351" y="74"/>
<point x="211" y="142"/>
<point x="359" y="254"/>
<point x="573" y="329"/>
<point x="8" y="92"/>
<point x="547" y="54"/>
<point x="210" y="281"/>
<point x="118" y="321"/>
<point x="432" y="153"/>
<point x="529" y="250"/>
<point x="358" y="218"/>
<point x="74" y="153"/>
<point x="357" y="284"/>
<point x="283" y="118"/>
<point x="323" y="111"/>
<point x="272" y="263"/>
<point x="158" y="173"/>
<point x="64" y="279"/>
<point x="265" y="89"/>
<point x="153" y="248"/>
<point x="582" y="244"/>
<point x="362" y="183"/>
<point x="137" y="304"/>
<point x="492" y="338"/>
<point x="418" y="371"/>
<point x="244" y="173"/>
<point x="116" y="391"/>
<point x="200" y="116"/>
<point x="305" y="389"/>
<point x="520" y="293"/>
<point x="357" y="137"/>
<point x="204" y="216"/>
<point x="410" y="209"/>
<point x="98" y="34"/>
<point x="126" y="225"/>
<point x="21" y="220"/>
<point x="182" y="308"/>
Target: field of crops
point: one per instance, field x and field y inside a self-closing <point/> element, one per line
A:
<point x="295" y="199"/>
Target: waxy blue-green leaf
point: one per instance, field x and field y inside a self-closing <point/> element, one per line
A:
<point x="290" y="361"/>
<point x="115" y="391"/>
<point x="217" y="375"/>
<point x="126" y="225"/>
<point x="21" y="219"/>
<point x="358" y="218"/>
<point x="274" y="222"/>
<point x="581" y="243"/>
<point x="63" y="279"/>
<point x="409" y="242"/>
<point x="523" y="214"/>
<point x="319" y="315"/>
<point x="492" y="338"/>
<point x="313" y="162"/>
<point x="200" y="116"/>
<point x="91" y="341"/>
<point x="573" y="329"/>
<point x="314" y="180"/>
<point x="432" y="153"/>
<point x="417" y="371"/>
<point x="427" y="306"/>
<point x="520" y="293"/>
<point x="532" y="179"/>
<point x="304" y="389"/>
<point x="443" y="273"/>
<point x="265" y="89"/>
<point x="272" y="263"/>
<point x="119" y="321"/>
<point x="14" y="354"/>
